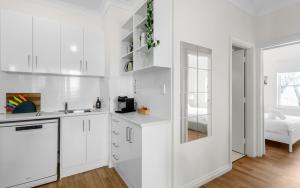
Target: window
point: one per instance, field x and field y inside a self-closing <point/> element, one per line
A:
<point x="289" y="89"/>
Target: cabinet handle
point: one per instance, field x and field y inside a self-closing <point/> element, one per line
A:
<point x="115" y="133"/>
<point x="116" y="145"/>
<point x="29" y="57"/>
<point x="36" y="62"/>
<point x="130" y="135"/>
<point x="127" y="134"/>
<point x="83" y="125"/>
<point x="89" y="125"/>
<point x="116" y="157"/>
<point x="86" y="66"/>
<point x="81" y="66"/>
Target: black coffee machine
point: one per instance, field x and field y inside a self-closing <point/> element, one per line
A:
<point x="125" y="105"/>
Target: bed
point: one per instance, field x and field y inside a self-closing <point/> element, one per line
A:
<point x="197" y="119"/>
<point x="284" y="130"/>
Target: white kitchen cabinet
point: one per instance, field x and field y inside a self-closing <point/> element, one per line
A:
<point x="97" y="139"/>
<point x="141" y="153"/>
<point x="94" y="62"/>
<point x="46" y="48"/>
<point x="73" y="141"/>
<point x="72" y="50"/>
<point x="37" y="45"/>
<point x="84" y="143"/>
<point x="16" y="42"/>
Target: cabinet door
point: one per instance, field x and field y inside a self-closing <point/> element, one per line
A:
<point x="46" y="46"/>
<point x="73" y="141"/>
<point x="16" y="42"/>
<point x="162" y="29"/>
<point x="130" y="165"/>
<point x="72" y="50"/>
<point x="94" y="61"/>
<point x="97" y="139"/>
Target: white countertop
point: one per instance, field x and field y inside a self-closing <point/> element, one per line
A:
<point x="141" y="120"/>
<point x="4" y="118"/>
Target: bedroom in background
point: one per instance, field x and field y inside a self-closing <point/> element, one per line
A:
<point x="282" y="95"/>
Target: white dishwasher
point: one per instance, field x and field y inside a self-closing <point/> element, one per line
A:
<point x="28" y="153"/>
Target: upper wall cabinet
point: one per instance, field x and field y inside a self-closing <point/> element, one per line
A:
<point x="46" y="48"/>
<point x="72" y="50"/>
<point x="94" y="52"/>
<point x="16" y="42"/>
<point x="39" y="45"/>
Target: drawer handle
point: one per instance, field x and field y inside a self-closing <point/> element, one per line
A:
<point x="116" y="133"/>
<point x="28" y="128"/>
<point x="116" y="157"/>
<point x="116" y="145"/>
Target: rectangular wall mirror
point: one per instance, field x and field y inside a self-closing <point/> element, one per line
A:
<point x="196" y="76"/>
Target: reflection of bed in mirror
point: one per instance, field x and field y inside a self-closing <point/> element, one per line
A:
<point x="197" y="119"/>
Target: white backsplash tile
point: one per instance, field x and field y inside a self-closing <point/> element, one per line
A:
<point x="79" y="92"/>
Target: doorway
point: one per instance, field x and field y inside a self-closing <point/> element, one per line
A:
<point x="281" y="96"/>
<point x="238" y="102"/>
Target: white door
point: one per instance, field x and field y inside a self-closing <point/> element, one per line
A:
<point x="73" y="141"/>
<point x="97" y="139"/>
<point x="46" y="46"/>
<point x="72" y="50"/>
<point x="94" y="62"/>
<point x="16" y="42"/>
<point x="238" y="101"/>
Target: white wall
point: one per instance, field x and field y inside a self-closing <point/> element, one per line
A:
<point x="282" y="25"/>
<point x="279" y="60"/>
<point x="209" y="24"/>
<point x="118" y="83"/>
<point x="80" y="92"/>
<point x="150" y="91"/>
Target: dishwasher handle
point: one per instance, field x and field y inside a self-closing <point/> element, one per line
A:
<point x="27" y="128"/>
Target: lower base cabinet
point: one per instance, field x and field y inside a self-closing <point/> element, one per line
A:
<point x="141" y="154"/>
<point x="84" y="143"/>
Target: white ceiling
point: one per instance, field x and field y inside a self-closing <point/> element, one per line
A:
<point x="262" y="7"/>
<point x="253" y="7"/>
<point x="90" y="4"/>
<point x="97" y="4"/>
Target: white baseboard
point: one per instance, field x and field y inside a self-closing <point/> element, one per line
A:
<point x="209" y="177"/>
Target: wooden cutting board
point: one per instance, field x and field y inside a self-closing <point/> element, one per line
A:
<point x="33" y="97"/>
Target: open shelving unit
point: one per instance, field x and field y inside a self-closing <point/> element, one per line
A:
<point x="127" y="42"/>
<point x="133" y="30"/>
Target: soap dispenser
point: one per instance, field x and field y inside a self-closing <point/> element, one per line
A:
<point x="98" y="104"/>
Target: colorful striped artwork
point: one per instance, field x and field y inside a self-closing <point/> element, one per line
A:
<point x="16" y="101"/>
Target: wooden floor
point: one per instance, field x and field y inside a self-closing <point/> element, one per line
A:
<point x="278" y="169"/>
<point x="195" y="135"/>
<point x="99" y="178"/>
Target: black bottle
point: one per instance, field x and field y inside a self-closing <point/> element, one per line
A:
<point x="98" y="104"/>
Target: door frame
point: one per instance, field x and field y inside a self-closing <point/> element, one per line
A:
<point x="261" y="146"/>
<point x="250" y="148"/>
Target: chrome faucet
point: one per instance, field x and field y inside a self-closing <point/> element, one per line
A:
<point x="66" y="107"/>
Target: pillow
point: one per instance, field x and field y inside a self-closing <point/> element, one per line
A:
<point x="278" y="114"/>
<point x="270" y="116"/>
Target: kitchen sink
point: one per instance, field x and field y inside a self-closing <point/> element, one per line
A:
<point x="76" y="111"/>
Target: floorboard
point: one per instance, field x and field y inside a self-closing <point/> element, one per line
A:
<point x="278" y="169"/>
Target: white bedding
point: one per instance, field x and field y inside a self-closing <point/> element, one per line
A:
<point x="283" y="127"/>
<point x="192" y="116"/>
